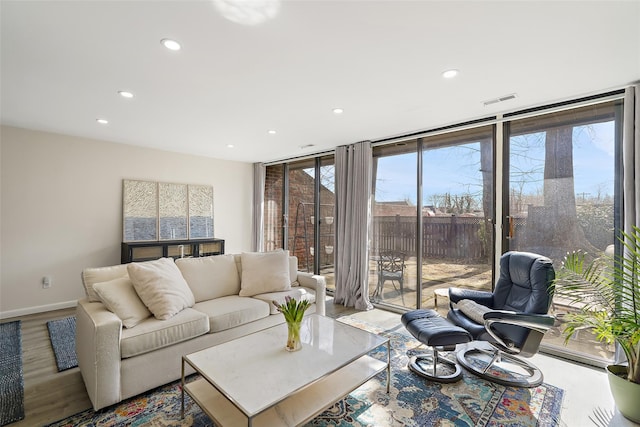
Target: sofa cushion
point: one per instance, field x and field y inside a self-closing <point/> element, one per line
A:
<point x="210" y="277"/>
<point x="229" y="312"/>
<point x="299" y="293"/>
<point x="91" y="276"/>
<point x="264" y="272"/>
<point x="152" y="334"/>
<point x="161" y="287"/>
<point x="119" y="296"/>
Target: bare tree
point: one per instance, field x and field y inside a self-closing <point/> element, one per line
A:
<point x="553" y="227"/>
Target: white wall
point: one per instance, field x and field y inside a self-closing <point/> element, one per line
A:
<point x="61" y="209"/>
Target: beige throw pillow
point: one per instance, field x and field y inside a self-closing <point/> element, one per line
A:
<point x="161" y="287"/>
<point x="119" y="296"/>
<point x="473" y="310"/>
<point x="264" y="272"/>
<point x="210" y="277"/>
<point x="91" y="276"/>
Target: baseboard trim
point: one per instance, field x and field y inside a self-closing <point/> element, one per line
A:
<point x="37" y="309"/>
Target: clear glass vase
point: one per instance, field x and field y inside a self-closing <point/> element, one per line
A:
<point x="293" y="336"/>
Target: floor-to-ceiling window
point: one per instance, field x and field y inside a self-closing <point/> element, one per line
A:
<point x="273" y="207"/>
<point x="326" y="223"/>
<point x="299" y="213"/>
<point x="301" y="178"/>
<point x="433" y="207"/>
<point x="457" y="215"/>
<point x="393" y="267"/>
<point x="561" y="196"/>
<point x="435" y="198"/>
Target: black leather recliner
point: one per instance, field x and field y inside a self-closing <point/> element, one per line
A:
<point x="513" y="319"/>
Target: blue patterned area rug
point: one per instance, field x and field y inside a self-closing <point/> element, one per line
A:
<point x="62" y="333"/>
<point x="413" y="401"/>
<point x="11" y="374"/>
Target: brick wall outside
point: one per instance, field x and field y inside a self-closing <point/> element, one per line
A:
<point x="301" y="211"/>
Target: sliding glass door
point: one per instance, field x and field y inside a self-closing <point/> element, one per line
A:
<point x="433" y="213"/>
<point x="393" y="262"/>
<point x="561" y="197"/>
<point x="299" y="213"/>
<point x="301" y="239"/>
<point x="274" y="208"/>
<point x="326" y="221"/>
<point x="457" y="213"/>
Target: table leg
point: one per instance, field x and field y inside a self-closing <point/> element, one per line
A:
<point x="182" y="407"/>
<point x="388" y="365"/>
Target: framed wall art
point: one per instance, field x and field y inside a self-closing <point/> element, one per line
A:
<point x="154" y="211"/>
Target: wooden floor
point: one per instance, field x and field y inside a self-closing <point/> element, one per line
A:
<point x="49" y="395"/>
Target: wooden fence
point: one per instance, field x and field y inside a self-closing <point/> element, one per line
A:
<point x="442" y="237"/>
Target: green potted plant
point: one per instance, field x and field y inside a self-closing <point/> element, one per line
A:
<point x="607" y="290"/>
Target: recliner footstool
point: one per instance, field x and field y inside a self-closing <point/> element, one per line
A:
<point x="433" y="330"/>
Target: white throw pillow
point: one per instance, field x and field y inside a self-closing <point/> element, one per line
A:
<point x="264" y="272"/>
<point x="91" y="276"/>
<point x="473" y="310"/>
<point x="119" y="296"/>
<point x="161" y="287"/>
<point x="210" y="277"/>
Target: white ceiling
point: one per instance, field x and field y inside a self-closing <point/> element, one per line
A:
<point x="63" y="63"/>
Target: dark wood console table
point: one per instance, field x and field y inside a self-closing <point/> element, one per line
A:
<point x="146" y="251"/>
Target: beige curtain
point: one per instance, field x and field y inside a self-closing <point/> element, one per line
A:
<point x="353" y="166"/>
<point x="257" y="225"/>
<point x="631" y="157"/>
<point x="630" y="169"/>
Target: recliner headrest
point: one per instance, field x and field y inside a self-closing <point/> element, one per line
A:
<point x="524" y="283"/>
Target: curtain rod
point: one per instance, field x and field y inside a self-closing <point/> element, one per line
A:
<point x="565" y="105"/>
<point x="516" y="115"/>
<point x="300" y="158"/>
<point x="437" y="131"/>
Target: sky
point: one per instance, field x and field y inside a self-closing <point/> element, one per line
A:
<point x="456" y="170"/>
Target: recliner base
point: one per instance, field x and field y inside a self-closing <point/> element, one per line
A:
<point x="489" y="371"/>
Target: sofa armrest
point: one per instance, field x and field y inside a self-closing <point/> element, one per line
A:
<point x="98" y="348"/>
<point x="309" y="280"/>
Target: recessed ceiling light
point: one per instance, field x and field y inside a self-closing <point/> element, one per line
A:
<point x="125" y="94"/>
<point x="170" y="44"/>
<point x="229" y="145"/>
<point x="302" y="147"/>
<point x="271" y="132"/>
<point x="449" y="74"/>
<point x="102" y="121"/>
<point x="338" y="111"/>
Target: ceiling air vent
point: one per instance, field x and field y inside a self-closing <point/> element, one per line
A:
<point x="500" y="99"/>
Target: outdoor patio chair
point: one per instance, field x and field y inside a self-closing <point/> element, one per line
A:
<point x="512" y="319"/>
<point x="391" y="266"/>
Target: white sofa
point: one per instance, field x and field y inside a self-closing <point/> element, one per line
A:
<point x="118" y="362"/>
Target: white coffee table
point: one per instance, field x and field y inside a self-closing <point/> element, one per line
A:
<point x="254" y="381"/>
